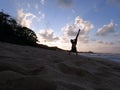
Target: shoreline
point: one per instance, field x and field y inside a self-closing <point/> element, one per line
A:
<point x="106" y="56"/>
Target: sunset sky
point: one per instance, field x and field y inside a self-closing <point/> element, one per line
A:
<point x="57" y="21"/>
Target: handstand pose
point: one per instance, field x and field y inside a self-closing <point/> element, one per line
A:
<point x="74" y="43"/>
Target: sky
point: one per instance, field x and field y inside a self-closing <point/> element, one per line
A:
<point x="56" y="22"/>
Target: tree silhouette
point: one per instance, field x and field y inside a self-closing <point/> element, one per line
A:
<point x="11" y="32"/>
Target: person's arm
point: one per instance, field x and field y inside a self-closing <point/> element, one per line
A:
<point x="77" y="34"/>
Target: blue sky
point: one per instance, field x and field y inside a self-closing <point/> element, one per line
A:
<point x="57" y="21"/>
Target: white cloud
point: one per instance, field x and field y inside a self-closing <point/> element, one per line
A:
<point x="36" y="6"/>
<point x="41" y="15"/>
<point x="85" y="25"/>
<point x="117" y="37"/>
<point x="24" y="19"/>
<point x="119" y="40"/>
<point x="84" y="38"/>
<point x="47" y="35"/>
<point x="42" y="2"/>
<point x="28" y="5"/>
<point x="73" y="11"/>
<point x="63" y="39"/>
<point x="106" y="29"/>
<point x="71" y="30"/>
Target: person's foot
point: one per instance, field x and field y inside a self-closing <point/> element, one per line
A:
<point x="76" y="54"/>
<point x="69" y="53"/>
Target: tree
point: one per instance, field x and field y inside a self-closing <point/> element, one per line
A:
<point x="11" y="32"/>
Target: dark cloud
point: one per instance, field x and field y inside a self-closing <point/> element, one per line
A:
<point x="65" y="3"/>
<point x="105" y="43"/>
<point x="113" y="2"/>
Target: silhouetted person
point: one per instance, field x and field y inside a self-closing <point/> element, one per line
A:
<point x="74" y="43"/>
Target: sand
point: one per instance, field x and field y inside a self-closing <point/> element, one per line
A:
<point x="30" y="68"/>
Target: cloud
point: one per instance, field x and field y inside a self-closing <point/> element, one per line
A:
<point x="84" y="38"/>
<point x="71" y="30"/>
<point x="105" y="47"/>
<point x="41" y="15"/>
<point x="119" y="40"/>
<point x="85" y="25"/>
<point x="113" y="2"/>
<point x="105" y="43"/>
<point x="106" y="29"/>
<point x="36" y="6"/>
<point x="47" y="35"/>
<point x="24" y="19"/>
<point x="117" y="34"/>
<point x="28" y="5"/>
<point x="117" y="37"/>
<point x="73" y="11"/>
<point x="65" y="3"/>
<point x="42" y="2"/>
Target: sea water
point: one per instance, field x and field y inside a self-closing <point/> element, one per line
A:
<point x="112" y="57"/>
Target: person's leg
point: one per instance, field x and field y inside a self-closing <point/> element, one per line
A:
<point x="76" y="54"/>
<point x="69" y="52"/>
<point x="76" y="51"/>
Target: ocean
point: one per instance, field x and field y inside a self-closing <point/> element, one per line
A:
<point x="112" y="57"/>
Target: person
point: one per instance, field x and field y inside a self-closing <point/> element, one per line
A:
<point x="74" y="43"/>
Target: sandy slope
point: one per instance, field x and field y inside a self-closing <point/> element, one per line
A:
<point x="29" y="68"/>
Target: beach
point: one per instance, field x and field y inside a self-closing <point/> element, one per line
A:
<point x="32" y="68"/>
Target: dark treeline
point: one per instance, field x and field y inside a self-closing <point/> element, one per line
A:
<point x="12" y="32"/>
